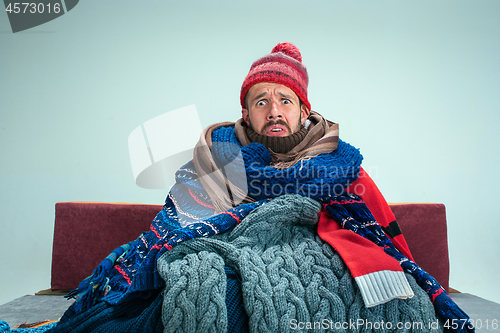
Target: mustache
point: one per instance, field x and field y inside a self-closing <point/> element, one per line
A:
<point x="276" y="122"/>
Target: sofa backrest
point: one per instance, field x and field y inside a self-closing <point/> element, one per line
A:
<point x="87" y="232"/>
<point x="425" y="231"/>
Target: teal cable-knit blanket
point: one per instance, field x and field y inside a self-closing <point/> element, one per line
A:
<point x="292" y="281"/>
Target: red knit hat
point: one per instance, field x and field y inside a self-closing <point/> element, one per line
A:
<point x="283" y="65"/>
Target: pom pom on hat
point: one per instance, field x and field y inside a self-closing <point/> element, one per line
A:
<point x="284" y="66"/>
<point x="289" y="49"/>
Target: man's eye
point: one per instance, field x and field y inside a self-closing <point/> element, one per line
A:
<point x="286" y="101"/>
<point x="261" y="103"/>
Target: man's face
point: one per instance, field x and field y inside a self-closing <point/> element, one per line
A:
<point x="273" y="109"/>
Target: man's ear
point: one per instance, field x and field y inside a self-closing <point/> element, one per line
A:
<point x="304" y="113"/>
<point x="244" y="115"/>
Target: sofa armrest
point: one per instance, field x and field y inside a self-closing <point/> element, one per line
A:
<point x="425" y="231"/>
<point x="85" y="233"/>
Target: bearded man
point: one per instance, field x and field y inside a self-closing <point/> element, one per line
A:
<point x="273" y="226"/>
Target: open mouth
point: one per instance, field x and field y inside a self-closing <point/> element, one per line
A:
<point x="276" y="129"/>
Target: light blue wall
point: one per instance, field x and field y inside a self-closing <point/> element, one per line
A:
<point x="414" y="84"/>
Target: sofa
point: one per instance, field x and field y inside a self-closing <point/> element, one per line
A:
<point x="86" y="232"/>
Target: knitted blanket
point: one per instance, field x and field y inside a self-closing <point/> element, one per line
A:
<point x="291" y="280"/>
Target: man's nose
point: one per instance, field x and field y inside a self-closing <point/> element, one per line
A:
<point x="274" y="111"/>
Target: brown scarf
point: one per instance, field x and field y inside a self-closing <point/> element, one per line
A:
<point x="322" y="137"/>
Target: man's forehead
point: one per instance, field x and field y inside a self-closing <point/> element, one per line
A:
<point x="263" y="89"/>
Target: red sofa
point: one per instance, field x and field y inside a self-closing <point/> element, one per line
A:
<point x="86" y="232"/>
